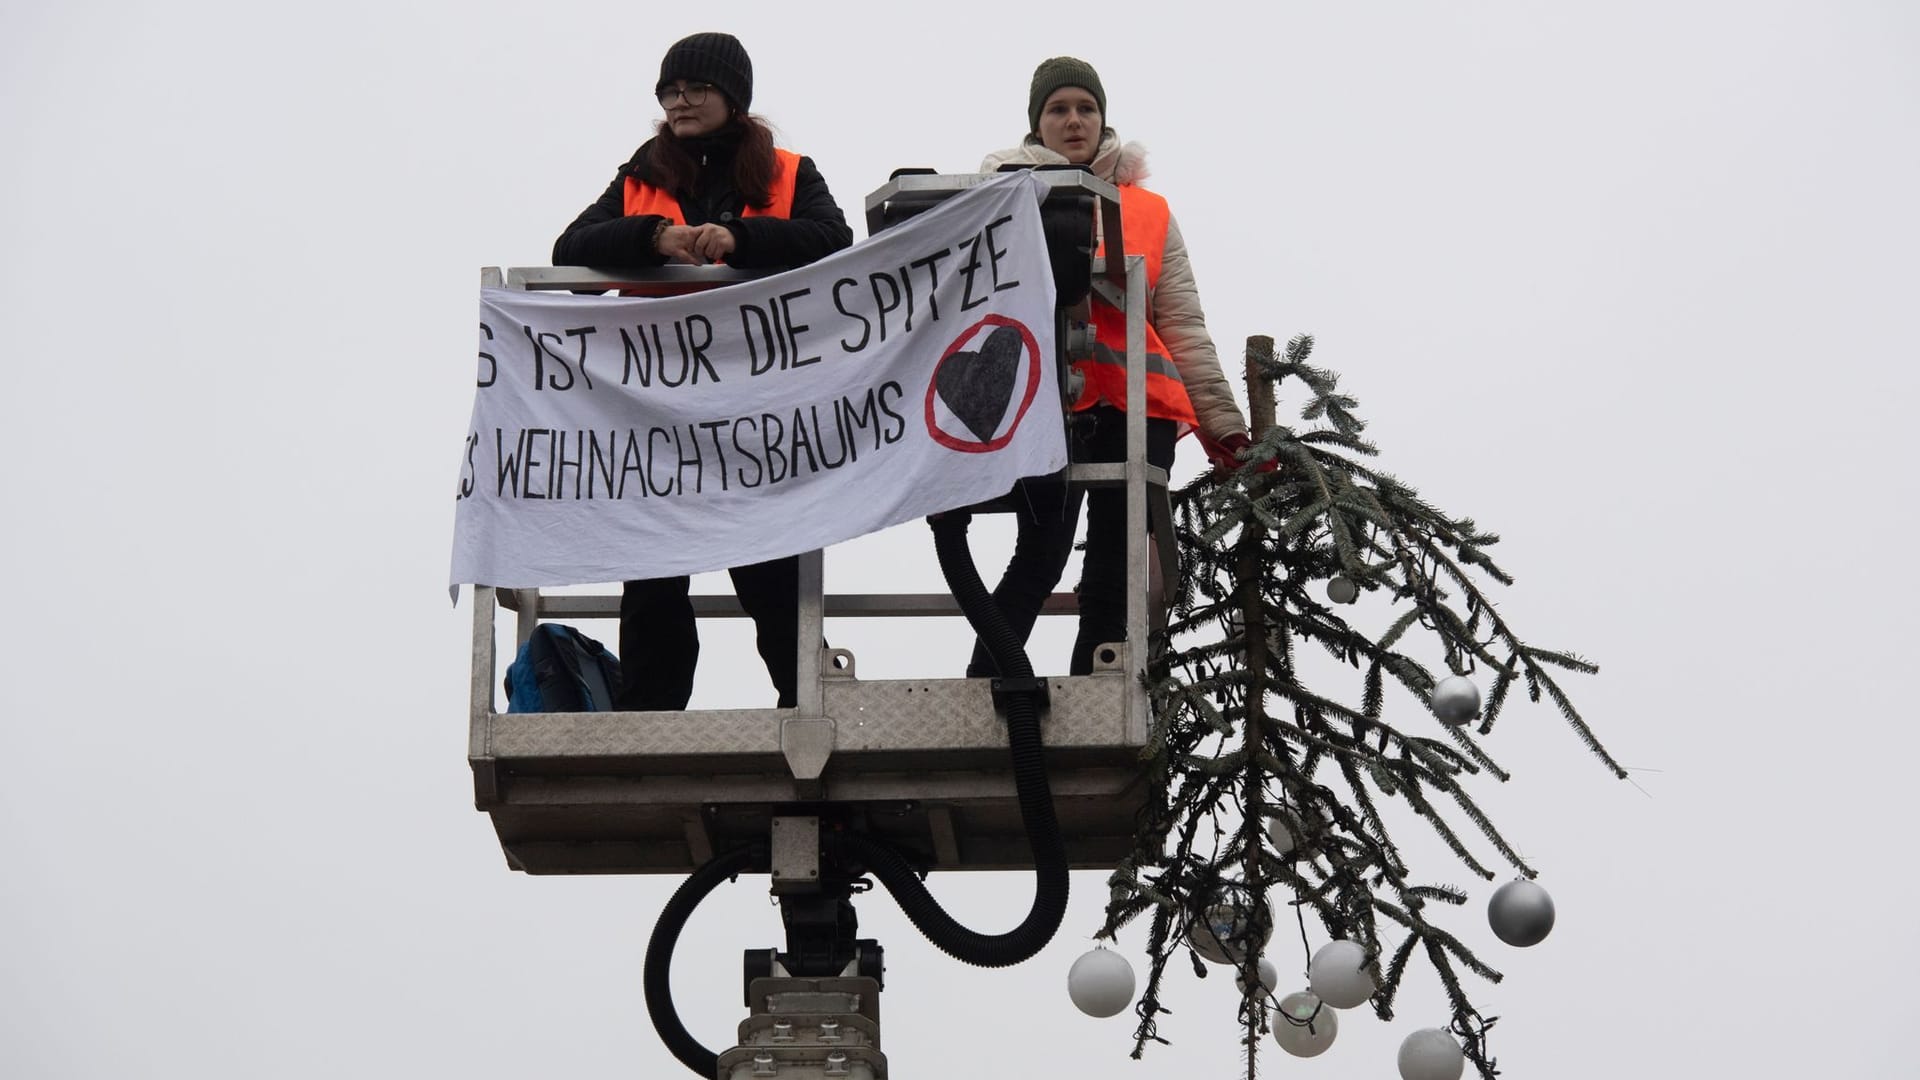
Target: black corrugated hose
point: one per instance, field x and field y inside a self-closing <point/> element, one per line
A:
<point x="888" y="865"/>
<point x="666" y="933"/>
<point x="1030" y="782"/>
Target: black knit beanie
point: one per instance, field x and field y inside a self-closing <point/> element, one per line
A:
<point x="1062" y="71"/>
<point x="714" y="58"/>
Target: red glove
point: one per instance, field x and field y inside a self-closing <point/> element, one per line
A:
<point x="1226" y="453"/>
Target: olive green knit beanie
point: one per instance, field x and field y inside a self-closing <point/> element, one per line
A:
<point x="1062" y="71"/>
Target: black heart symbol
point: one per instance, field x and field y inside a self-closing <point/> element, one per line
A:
<point x="978" y="386"/>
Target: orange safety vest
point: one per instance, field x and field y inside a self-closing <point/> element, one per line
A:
<point x="644" y="198"/>
<point x="1144" y="219"/>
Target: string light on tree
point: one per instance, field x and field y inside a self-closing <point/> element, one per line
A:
<point x="1521" y="913"/>
<point x="1304" y="1028"/>
<point x="1221" y="936"/>
<point x="1100" y="982"/>
<point x="1269" y="978"/>
<point x="1431" y="1054"/>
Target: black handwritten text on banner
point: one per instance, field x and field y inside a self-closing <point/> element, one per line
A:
<point x="617" y="438"/>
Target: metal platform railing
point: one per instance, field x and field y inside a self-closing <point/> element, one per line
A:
<point x="921" y="762"/>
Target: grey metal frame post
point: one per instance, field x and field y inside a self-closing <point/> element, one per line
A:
<point x="1137" y="475"/>
<point x="1136" y="486"/>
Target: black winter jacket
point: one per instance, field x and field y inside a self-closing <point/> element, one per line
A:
<point x="604" y="236"/>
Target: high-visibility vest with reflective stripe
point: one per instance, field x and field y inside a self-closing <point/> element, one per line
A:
<point x="1143" y="222"/>
<point x="644" y="198"/>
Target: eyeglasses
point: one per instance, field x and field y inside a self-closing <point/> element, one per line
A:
<point x="694" y="94"/>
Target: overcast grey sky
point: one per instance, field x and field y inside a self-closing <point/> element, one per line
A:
<point x="1633" y="283"/>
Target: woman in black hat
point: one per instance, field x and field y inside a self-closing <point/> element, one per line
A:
<point x="710" y="186"/>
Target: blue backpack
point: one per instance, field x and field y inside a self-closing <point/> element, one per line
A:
<point x="560" y="669"/>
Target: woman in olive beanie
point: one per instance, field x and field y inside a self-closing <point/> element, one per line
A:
<point x="1067" y="124"/>
<point x="710" y="186"/>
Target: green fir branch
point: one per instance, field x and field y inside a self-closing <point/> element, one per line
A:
<point x="1239" y="735"/>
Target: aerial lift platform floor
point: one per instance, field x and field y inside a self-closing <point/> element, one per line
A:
<point x="920" y="763"/>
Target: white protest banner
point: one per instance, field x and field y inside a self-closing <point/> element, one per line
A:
<point x="617" y="438"/>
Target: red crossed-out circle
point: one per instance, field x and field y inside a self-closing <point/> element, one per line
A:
<point x="969" y="446"/>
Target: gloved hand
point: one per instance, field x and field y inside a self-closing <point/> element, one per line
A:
<point x="1225" y="452"/>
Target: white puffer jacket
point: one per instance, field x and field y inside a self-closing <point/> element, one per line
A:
<point x="1173" y="307"/>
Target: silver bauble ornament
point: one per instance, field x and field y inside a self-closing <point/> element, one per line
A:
<point x="1100" y="983"/>
<point x="1431" y="1054"/>
<point x="1269" y="977"/>
<point x="1210" y="936"/>
<point x="1221" y="936"/>
<point x="1521" y="913"/>
<point x="1304" y="1028"/>
<point x="1338" y="974"/>
<point x="1455" y="699"/>
<point x="1343" y="590"/>
<point x="1281" y="831"/>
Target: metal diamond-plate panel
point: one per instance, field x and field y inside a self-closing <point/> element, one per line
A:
<point x="869" y="716"/>
<point x="952" y="714"/>
<point x="591" y="735"/>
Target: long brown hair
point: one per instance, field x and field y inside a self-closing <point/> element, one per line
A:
<point x="675" y="169"/>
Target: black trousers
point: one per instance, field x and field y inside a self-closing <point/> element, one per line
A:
<point x="659" y="645"/>
<point x="1048" y="516"/>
